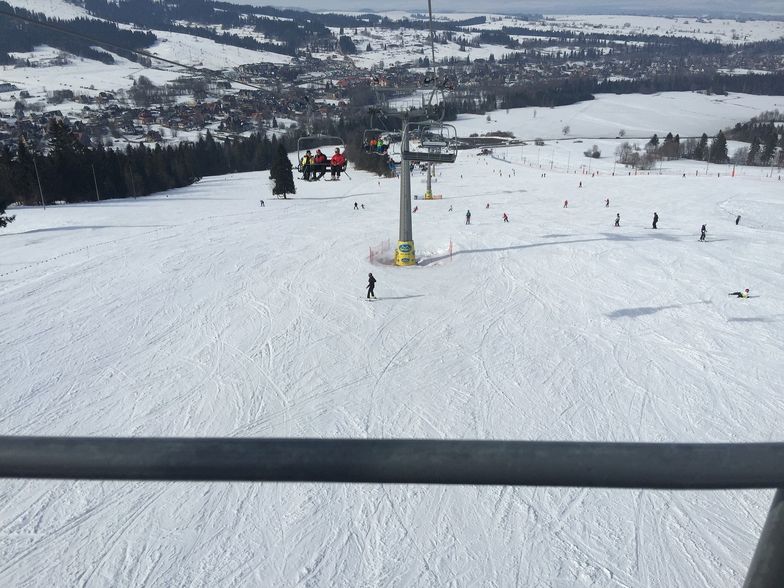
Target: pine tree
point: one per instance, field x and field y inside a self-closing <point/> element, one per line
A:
<point x="669" y="148"/>
<point x="281" y="174"/>
<point x="718" y="149"/>
<point x="769" y="149"/>
<point x="753" y="151"/>
<point x="700" y="150"/>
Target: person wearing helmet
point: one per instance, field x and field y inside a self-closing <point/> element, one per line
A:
<point x="744" y="294"/>
<point x="338" y="163"/>
<point x="306" y="163"/>
<point x="371" y="286"/>
<point x="319" y="165"/>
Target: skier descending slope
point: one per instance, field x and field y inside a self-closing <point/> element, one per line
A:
<point x="371" y="286"/>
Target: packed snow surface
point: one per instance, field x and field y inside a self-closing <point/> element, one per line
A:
<point x="200" y="313"/>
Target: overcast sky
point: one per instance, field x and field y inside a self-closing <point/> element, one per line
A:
<point x="671" y="7"/>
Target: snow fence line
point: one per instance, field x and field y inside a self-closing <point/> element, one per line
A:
<point x="377" y="252"/>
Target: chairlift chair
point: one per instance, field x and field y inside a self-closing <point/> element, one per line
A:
<point x="394" y="152"/>
<point x="368" y="135"/>
<point x="313" y="141"/>
<point x="309" y="142"/>
<point x="437" y="143"/>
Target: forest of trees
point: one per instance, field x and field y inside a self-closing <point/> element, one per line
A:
<point x="764" y="133"/>
<point x="162" y="16"/>
<point x="66" y="172"/>
<point x="704" y="148"/>
<point x="19" y="36"/>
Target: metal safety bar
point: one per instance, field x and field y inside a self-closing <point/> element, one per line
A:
<point x="673" y="466"/>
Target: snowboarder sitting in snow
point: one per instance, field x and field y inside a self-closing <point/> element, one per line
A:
<point x="744" y="294"/>
<point x="371" y="286"/>
<point x="703" y="231"/>
<point x="338" y="163"/>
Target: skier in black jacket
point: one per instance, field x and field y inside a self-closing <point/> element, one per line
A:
<point x="371" y="286"/>
<point x="655" y="219"/>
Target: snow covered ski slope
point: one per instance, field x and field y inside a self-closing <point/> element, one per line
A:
<point x="200" y="313"/>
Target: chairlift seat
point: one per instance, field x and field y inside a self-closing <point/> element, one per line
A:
<point x="430" y="157"/>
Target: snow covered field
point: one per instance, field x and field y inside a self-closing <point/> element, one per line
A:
<point x="199" y="313"/>
<point x="724" y="31"/>
<point x="638" y="115"/>
<point x="200" y="52"/>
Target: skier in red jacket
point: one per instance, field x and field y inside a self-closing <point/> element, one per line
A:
<point x="319" y="165"/>
<point x="338" y="163"/>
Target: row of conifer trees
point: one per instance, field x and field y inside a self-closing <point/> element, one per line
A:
<point x="71" y="172"/>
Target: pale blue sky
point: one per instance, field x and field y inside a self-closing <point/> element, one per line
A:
<point x="658" y="7"/>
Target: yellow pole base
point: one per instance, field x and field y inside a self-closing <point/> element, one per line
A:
<point x="428" y="195"/>
<point x="404" y="253"/>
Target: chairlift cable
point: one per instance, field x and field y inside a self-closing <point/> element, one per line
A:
<point x="432" y="41"/>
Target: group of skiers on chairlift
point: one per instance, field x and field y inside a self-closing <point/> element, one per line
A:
<point x="314" y="167"/>
<point x="376" y="145"/>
